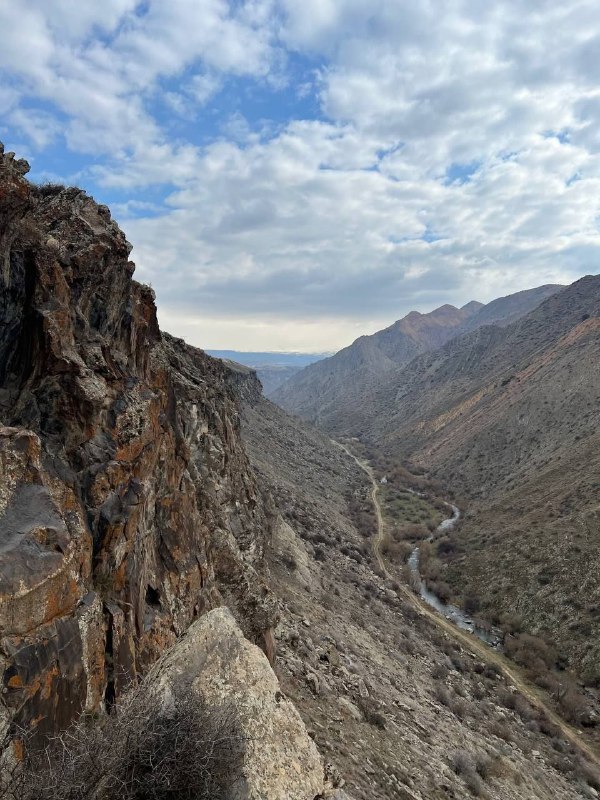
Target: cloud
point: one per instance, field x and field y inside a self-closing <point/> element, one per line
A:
<point x="325" y="165"/>
<point x="102" y="68"/>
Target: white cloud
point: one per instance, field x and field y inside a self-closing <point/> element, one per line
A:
<point x="104" y="84"/>
<point x="39" y="127"/>
<point x="456" y="155"/>
<point x="204" y="86"/>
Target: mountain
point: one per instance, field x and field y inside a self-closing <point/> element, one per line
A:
<point x="328" y="391"/>
<point x="509" y="420"/>
<point x="272" y="369"/>
<point x="170" y="538"/>
<point x="505" y="310"/>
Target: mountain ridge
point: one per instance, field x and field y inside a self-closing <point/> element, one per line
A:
<point x="325" y="392"/>
<point x="508" y="419"/>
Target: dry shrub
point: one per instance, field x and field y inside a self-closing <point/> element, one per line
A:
<point x="395" y="551"/>
<point x="443" y="695"/>
<point x="516" y="702"/>
<point x="588" y="773"/>
<point x="371" y="713"/>
<point x="49" y="189"/>
<point x="530" y="651"/>
<point x="459" y="708"/>
<point x="501" y="730"/>
<point x="574" y="706"/>
<point x="141" y="751"/>
<point x="439" y="671"/>
<point x="467" y="767"/>
<point x="547" y="727"/>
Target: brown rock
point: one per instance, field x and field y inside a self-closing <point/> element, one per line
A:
<point x="123" y="477"/>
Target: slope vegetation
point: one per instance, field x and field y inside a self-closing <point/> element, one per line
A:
<point x="399" y="703"/>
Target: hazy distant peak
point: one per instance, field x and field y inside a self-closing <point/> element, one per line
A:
<point x="330" y="390"/>
<point x="472" y="307"/>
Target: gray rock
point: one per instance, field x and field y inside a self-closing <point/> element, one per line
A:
<point x="313" y="682"/>
<point x="349" y="709"/>
<point x="280" y="762"/>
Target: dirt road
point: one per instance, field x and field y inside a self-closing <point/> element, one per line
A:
<point x="486" y="653"/>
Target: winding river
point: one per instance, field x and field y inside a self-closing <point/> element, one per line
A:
<point x="460" y="618"/>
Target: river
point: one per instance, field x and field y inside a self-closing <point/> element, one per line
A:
<point x="456" y="615"/>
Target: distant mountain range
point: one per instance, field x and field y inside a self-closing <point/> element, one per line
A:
<point x="327" y="391"/>
<point x="273" y="369"/>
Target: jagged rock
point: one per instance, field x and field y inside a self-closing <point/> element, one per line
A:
<point x="128" y="507"/>
<point x="280" y="760"/>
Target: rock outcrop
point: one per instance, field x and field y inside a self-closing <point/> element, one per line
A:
<point x="127" y="504"/>
<point x="214" y="660"/>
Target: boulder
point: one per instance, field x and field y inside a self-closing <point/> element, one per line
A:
<point x="216" y="661"/>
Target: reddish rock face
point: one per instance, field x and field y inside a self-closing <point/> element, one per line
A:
<point x="127" y="505"/>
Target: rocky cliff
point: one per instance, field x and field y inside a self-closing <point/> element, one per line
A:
<point x="127" y="504"/>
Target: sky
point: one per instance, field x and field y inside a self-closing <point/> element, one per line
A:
<point x="295" y="174"/>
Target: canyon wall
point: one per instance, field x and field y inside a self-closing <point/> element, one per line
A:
<point x="127" y="504"/>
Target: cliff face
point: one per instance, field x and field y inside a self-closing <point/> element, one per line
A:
<point x="127" y="504"/>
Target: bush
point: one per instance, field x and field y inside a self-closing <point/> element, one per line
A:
<point x="530" y="651"/>
<point x="467" y="767"/>
<point x="501" y="730"/>
<point x="439" y="671"/>
<point x="139" y="752"/>
<point x="50" y="189"/>
<point x="589" y="773"/>
<point x="443" y="695"/>
<point x="371" y="713"/>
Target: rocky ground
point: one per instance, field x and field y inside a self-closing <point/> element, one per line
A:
<point x="399" y="708"/>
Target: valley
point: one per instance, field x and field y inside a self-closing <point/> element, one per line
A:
<point x="401" y="702"/>
<point x="504" y="421"/>
<point x="453" y="620"/>
<point x="164" y="527"/>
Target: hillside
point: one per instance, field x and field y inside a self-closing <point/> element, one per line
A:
<point x="398" y="706"/>
<point x="508" y="420"/>
<point x="329" y="391"/>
